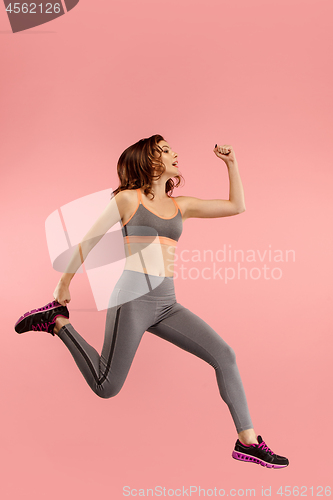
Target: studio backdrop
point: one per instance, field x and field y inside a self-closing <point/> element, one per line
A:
<point x="81" y="81"/>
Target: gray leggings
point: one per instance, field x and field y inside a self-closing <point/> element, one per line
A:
<point x="139" y="303"/>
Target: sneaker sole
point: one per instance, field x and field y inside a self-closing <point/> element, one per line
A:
<point x="23" y="324"/>
<point x="249" y="458"/>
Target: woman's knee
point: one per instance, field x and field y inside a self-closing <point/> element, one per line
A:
<point x="228" y="354"/>
<point x="107" y="391"/>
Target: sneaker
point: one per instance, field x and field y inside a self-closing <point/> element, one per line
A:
<point x="259" y="454"/>
<point x="42" y="319"/>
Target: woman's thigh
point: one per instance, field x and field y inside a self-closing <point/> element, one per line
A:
<point x="126" y="321"/>
<point x="190" y="332"/>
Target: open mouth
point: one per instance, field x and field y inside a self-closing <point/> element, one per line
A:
<point x="175" y="164"/>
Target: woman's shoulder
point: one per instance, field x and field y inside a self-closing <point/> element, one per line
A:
<point x="182" y="202"/>
<point x="127" y="195"/>
<point x="127" y="201"/>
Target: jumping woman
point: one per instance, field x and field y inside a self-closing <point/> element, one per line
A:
<point x="144" y="296"/>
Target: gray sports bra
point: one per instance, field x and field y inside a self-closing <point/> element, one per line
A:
<point x="145" y="226"/>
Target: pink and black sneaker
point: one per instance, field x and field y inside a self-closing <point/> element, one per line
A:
<point x="259" y="454"/>
<point x="42" y="319"/>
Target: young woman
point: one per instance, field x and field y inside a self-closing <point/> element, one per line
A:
<point x="144" y="297"/>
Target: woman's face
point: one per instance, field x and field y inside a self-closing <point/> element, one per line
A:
<point x="168" y="158"/>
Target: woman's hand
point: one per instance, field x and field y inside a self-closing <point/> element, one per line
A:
<point x="61" y="293"/>
<point x="226" y="153"/>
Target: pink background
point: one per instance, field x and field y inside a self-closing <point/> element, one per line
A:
<point x="74" y="94"/>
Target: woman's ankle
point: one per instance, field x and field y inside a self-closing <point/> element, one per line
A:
<point x="248" y="437"/>
<point x="59" y="323"/>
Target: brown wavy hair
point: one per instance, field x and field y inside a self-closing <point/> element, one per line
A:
<point x="136" y="164"/>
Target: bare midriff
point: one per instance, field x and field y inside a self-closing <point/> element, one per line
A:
<point x="150" y="255"/>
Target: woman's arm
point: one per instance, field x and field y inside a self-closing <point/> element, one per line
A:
<point x="195" y="207"/>
<point x="113" y="213"/>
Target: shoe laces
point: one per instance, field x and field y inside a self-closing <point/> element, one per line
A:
<point x="44" y="308"/>
<point x="264" y="447"/>
<point x="48" y="306"/>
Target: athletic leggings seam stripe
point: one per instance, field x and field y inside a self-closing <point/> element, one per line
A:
<point x="115" y="332"/>
<point x="88" y="361"/>
<point x="84" y="354"/>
